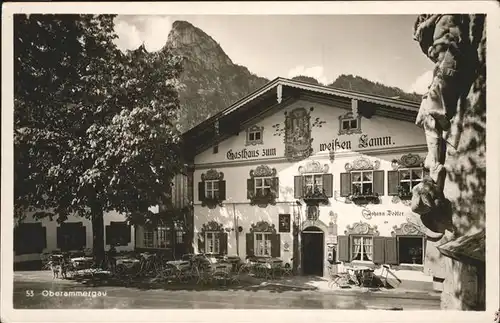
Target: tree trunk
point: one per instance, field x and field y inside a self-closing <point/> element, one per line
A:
<point x="98" y="234"/>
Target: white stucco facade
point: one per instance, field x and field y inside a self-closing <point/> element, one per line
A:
<point x="391" y="140"/>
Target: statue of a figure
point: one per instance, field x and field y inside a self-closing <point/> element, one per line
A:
<point x="440" y="37"/>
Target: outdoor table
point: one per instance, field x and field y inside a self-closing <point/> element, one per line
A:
<point x="358" y="272"/>
<point x="179" y="264"/>
<point x="127" y="262"/>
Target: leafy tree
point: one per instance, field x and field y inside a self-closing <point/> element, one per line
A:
<point x="94" y="128"/>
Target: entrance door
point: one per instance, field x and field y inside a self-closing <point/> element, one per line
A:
<point x="312" y="251"/>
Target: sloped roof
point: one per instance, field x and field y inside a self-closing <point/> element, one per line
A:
<point x="231" y="118"/>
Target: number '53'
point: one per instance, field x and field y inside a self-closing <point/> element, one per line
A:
<point x="30" y="293"/>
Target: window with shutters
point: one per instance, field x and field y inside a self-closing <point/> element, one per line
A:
<point x="262" y="186"/>
<point x="408" y="171"/>
<point x="362" y="183"/>
<point x="71" y="236"/>
<point x="118" y="233"/>
<point x="362" y="248"/>
<point x="212" y="189"/>
<point x="409" y="178"/>
<point x="262" y="242"/>
<point x="315" y="184"/>
<point x="212" y="242"/>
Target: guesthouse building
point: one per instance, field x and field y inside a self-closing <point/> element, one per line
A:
<point x="312" y="175"/>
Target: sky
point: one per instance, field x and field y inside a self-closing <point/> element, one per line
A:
<point x="377" y="47"/>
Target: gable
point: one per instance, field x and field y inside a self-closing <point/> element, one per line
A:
<point x="279" y="94"/>
<point x="304" y="124"/>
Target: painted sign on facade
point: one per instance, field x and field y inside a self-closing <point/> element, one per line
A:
<point x="249" y="154"/>
<point x="368" y="214"/>
<point x="364" y="141"/>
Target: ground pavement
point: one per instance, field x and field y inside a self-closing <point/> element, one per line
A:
<point x="39" y="290"/>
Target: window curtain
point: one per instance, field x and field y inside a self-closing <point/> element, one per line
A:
<point x="357" y="247"/>
<point x="368" y="249"/>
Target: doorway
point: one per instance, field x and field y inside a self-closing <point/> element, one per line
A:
<point x="312" y="251"/>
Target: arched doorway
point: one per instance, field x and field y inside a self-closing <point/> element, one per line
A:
<point x="312" y="251"/>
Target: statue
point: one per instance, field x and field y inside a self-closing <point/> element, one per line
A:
<point x="440" y="37"/>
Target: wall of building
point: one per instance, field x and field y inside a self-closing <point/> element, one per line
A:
<point x="400" y="138"/>
<point x="51" y="234"/>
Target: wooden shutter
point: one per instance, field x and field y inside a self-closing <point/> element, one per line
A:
<point x="82" y="230"/>
<point x="222" y="190"/>
<point x="127" y="234"/>
<point x="343" y="248"/>
<point x="201" y="191"/>
<point x="345" y="184"/>
<point x="392" y="182"/>
<point x="378" y="250"/>
<point x="250" y="187"/>
<point x="44" y="237"/>
<point x="275" y="186"/>
<point x="59" y="242"/>
<point x="109" y="234"/>
<point x="378" y="182"/>
<point x="223" y="243"/>
<point x="328" y="184"/>
<point x="298" y="187"/>
<point x="391" y="251"/>
<point x="275" y="245"/>
<point x="201" y="243"/>
<point x="249" y="244"/>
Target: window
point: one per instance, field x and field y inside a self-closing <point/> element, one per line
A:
<point x="71" y="236"/>
<point x="410" y="177"/>
<point x="262" y="244"/>
<point x="212" y="189"/>
<point x="254" y="135"/>
<point x="216" y="149"/>
<point x="158" y="238"/>
<point x="410" y="250"/>
<point x="349" y="124"/>
<point x="118" y="233"/>
<point x="362" y="248"/>
<point x="212" y="242"/>
<point x="313" y="183"/>
<point x="148" y="239"/>
<point x="362" y="183"/>
<point x="29" y="238"/>
<point x="263" y="186"/>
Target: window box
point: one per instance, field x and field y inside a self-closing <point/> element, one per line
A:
<point x="404" y="193"/>
<point x="313" y="188"/>
<point x="315" y="195"/>
<point x="259" y="198"/>
<point x="362" y="184"/>
<point x="363" y="199"/>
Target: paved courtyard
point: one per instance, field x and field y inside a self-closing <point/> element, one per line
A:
<point x="38" y="290"/>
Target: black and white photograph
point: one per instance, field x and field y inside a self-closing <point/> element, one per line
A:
<point x="164" y="159"/>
